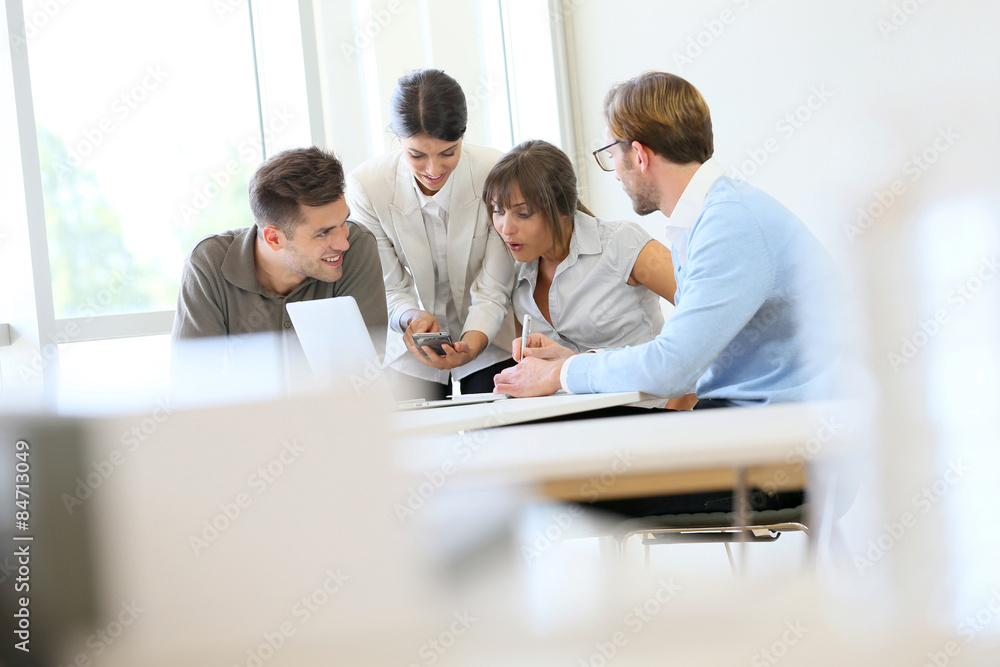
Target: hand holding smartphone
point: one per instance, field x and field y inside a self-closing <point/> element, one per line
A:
<point x="435" y="341"/>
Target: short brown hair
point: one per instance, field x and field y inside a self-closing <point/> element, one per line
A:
<point x="662" y="111"/>
<point x="545" y="176"/>
<point x="298" y="176"/>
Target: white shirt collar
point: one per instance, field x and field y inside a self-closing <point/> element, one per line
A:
<point x="441" y="197"/>
<point x="688" y="207"/>
<point x="584" y="240"/>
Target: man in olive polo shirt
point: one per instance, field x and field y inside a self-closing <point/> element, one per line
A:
<point x="302" y="247"/>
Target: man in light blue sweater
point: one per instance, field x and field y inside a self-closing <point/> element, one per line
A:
<point x="751" y="324"/>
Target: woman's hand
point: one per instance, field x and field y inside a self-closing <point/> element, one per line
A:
<point x="455" y="355"/>
<point x="540" y="346"/>
<point x="417" y="321"/>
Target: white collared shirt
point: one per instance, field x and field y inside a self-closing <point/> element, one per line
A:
<point x="434" y="210"/>
<point x="688" y="208"/>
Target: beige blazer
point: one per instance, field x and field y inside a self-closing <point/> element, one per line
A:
<point x="381" y="196"/>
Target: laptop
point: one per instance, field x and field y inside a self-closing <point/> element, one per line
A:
<point x="336" y="344"/>
<point x="339" y="350"/>
<point x="462" y="399"/>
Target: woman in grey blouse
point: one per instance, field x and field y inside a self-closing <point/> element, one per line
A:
<point x="587" y="283"/>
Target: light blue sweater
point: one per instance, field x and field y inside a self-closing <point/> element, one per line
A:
<point x="748" y="325"/>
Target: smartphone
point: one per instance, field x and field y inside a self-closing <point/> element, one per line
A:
<point x="432" y="340"/>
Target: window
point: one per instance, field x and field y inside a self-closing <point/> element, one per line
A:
<point x="150" y="120"/>
<point x="141" y="149"/>
<point x="149" y="127"/>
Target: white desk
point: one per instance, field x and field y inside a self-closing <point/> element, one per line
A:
<point x="635" y="455"/>
<point x="440" y="421"/>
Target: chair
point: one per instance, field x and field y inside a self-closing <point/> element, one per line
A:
<point x="714" y="527"/>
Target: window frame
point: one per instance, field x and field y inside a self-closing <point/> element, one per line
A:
<point x="100" y="327"/>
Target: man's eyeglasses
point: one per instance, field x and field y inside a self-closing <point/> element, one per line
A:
<point x="604" y="158"/>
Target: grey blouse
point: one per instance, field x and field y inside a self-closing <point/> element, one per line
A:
<point x="590" y="302"/>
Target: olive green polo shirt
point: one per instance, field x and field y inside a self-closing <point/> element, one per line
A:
<point x="220" y="294"/>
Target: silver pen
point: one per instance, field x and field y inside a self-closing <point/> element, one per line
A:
<point x="525" y="330"/>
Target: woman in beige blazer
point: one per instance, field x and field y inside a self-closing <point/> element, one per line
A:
<point x="445" y="267"/>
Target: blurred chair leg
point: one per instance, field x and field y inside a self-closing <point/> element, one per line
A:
<point x="821" y="540"/>
<point x="610" y="550"/>
<point x="742" y="517"/>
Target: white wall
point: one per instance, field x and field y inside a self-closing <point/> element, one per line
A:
<point x="887" y="94"/>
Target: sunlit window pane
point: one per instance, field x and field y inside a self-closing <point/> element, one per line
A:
<point x="148" y="132"/>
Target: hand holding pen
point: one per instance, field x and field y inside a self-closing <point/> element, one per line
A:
<point x="537" y="345"/>
<point x="537" y="370"/>
<point x="525" y="332"/>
